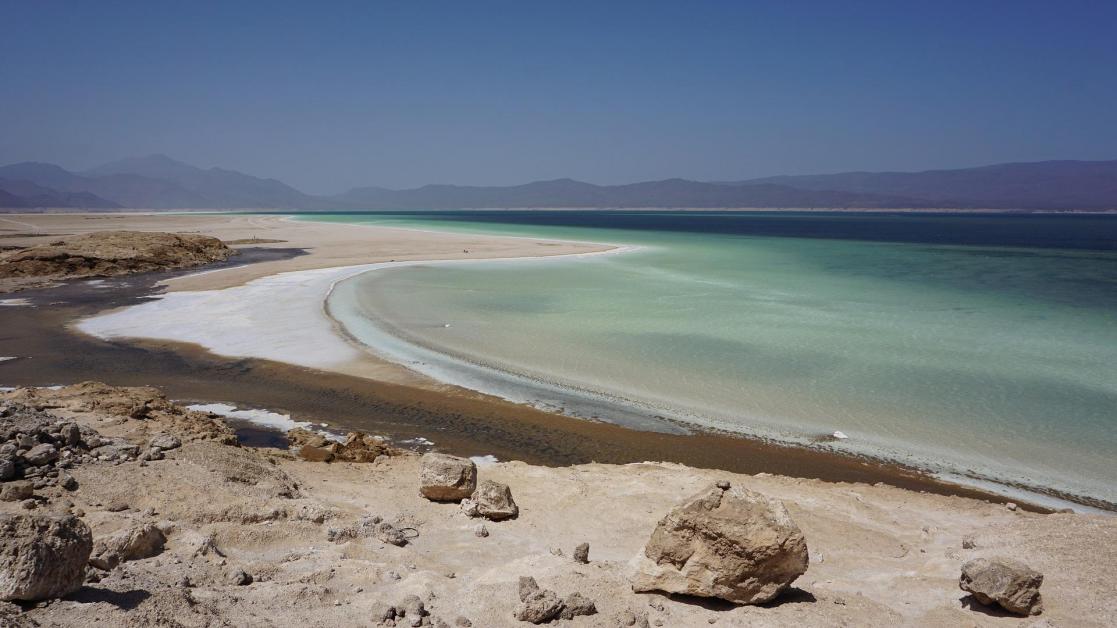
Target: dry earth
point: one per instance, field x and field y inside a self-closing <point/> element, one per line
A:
<point x="880" y="556"/>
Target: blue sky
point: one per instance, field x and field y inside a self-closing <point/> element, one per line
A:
<point x="330" y="95"/>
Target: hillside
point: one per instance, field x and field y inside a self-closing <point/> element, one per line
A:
<point x="1038" y="185"/>
<point x="159" y="182"/>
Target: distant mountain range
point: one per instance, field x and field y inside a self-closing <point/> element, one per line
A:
<point x="159" y="182"/>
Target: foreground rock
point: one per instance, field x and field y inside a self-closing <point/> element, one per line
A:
<point x="1007" y="583"/>
<point x="357" y="447"/>
<point x="728" y="543"/>
<point x="491" y="500"/>
<point x="42" y="556"/>
<point x="538" y="606"/>
<point x="446" y="478"/>
<point x="143" y="541"/>
<point x="107" y="254"/>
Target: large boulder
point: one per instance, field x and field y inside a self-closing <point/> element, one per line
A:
<point x="728" y="543"/>
<point x="446" y="478"/>
<point x="42" y="556"/>
<point x="491" y="500"/>
<point x="1007" y="583"/>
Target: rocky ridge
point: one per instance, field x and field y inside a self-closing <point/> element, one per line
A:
<point x="106" y="254"/>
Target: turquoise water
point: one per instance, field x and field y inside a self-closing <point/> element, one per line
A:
<point x="982" y="360"/>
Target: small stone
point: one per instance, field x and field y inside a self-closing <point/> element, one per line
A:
<point x="576" y="605"/>
<point x="18" y="490"/>
<point x="1011" y="506"/>
<point x="723" y="485"/>
<point x="165" y="441"/>
<point x="491" y="500"/>
<point x="582" y="553"/>
<point x="382" y="612"/>
<point x="539" y="607"/>
<point x="527" y="586"/>
<point x="71" y="434"/>
<point x="41" y="454"/>
<point x="480" y="530"/>
<point x="411" y="606"/>
<point x="28" y="504"/>
<point x="240" y="578"/>
<point x="7" y="469"/>
<point x="67" y="482"/>
<point x="463" y="622"/>
<point x="968" y="542"/>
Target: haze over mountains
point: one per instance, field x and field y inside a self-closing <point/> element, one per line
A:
<point x="159" y="182"/>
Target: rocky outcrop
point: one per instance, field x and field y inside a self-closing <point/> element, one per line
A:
<point x="42" y="556"/>
<point x="1009" y="584"/>
<point x="111" y="253"/>
<point x="728" y="543"/>
<point x="36" y="448"/>
<point x="538" y="606"/>
<point x="143" y="541"/>
<point x="365" y="527"/>
<point x="357" y="447"/>
<point x="575" y="605"/>
<point x="133" y="402"/>
<point x="443" y="477"/>
<point x="491" y="500"/>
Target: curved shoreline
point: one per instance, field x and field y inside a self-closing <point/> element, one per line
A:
<point x="389" y="343"/>
<point x="311" y="353"/>
<point x="251" y="332"/>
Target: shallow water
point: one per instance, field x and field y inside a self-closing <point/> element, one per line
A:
<point x="980" y="345"/>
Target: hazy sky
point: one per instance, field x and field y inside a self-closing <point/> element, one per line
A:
<point x="330" y="95"/>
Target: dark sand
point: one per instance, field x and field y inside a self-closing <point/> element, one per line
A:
<point x="460" y="422"/>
